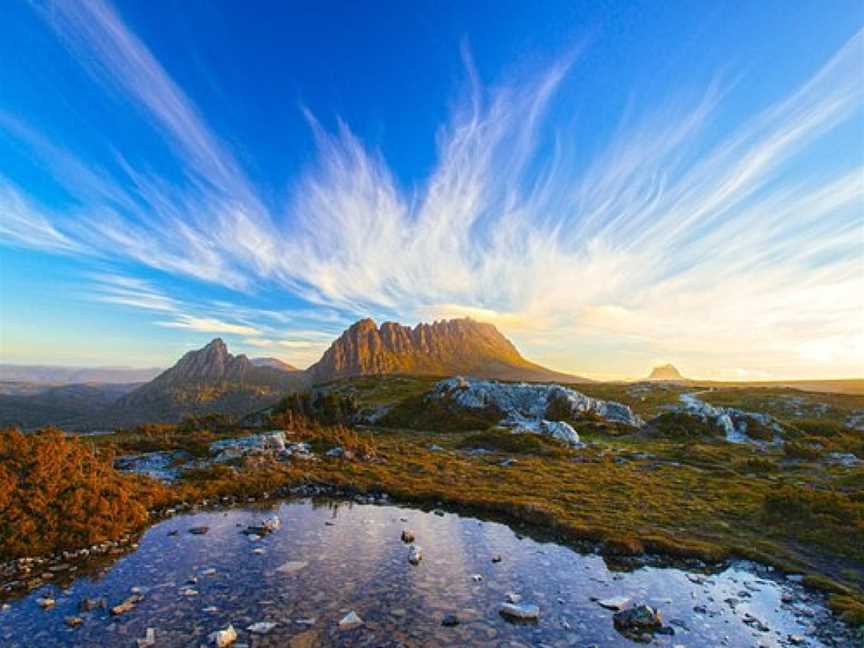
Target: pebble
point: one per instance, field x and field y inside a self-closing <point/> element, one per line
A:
<point x="407" y="536"/>
<point x="73" y="621"/>
<point x="415" y="554"/>
<point x="523" y="612"/>
<point x="148" y="640"/>
<point x="45" y="602"/>
<point x="201" y="530"/>
<point x="223" y="638"/>
<point x="614" y="603"/>
<point x="261" y="627"/>
<point x="350" y="621"/>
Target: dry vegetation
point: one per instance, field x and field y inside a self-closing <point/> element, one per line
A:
<point x="58" y="492"/>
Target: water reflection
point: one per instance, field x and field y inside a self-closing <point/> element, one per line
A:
<point x="328" y="559"/>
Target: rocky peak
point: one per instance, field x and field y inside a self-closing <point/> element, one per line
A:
<point x="665" y="372"/>
<point x="445" y="347"/>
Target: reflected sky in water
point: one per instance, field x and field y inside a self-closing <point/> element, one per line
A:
<point x="348" y="556"/>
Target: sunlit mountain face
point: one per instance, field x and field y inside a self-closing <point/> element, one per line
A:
<point x="613" y="190"/>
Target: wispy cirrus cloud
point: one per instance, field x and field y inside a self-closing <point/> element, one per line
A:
<point x="668" y="239"/>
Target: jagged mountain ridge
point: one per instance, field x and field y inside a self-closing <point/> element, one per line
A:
<point x="444" y="348"/>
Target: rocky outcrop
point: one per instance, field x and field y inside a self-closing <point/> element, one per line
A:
<point x="445" y="348"/>
<point x="737" y="426"/>
<point x="529" y="408"/>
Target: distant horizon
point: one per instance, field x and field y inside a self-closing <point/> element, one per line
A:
<point x="614" y="187"/>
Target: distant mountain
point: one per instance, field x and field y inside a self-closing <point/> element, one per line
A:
<point x="273" y="363"/>
<point x="29" y="405"/>
<point x="55" y="375"/>
<point x="666" y="372"/>
<point x="445" y="348"/>
<point x="204" y="381"/>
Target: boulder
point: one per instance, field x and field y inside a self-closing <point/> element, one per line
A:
<point x="407" y="536"/>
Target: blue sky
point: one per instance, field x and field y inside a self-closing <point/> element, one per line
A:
<point x="613" y="184"/>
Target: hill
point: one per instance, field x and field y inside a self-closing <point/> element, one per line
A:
<point x="444" y="348"/>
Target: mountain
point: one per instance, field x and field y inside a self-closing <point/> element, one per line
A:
<point x="54" y="375"/>
<point x="209" y="380"/>
<point x="666" y="372"/>
<point x="273" y="363"/>
<point x="29" y="405"/>
<point x="445" y="348"/>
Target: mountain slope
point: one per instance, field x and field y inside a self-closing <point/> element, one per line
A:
<point x="273" y="363"/>
<point x="209" y="380"/>
<point x="445" y="348"/>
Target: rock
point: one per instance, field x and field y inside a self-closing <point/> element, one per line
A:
<point x="335" y="452"/>
<point x="477" y="578"/>
<point x="496" y="559"/>
<point x="45" y="602"/>
<point x="258" y="551"/>
<point x="261" y="627"/>
<point x="266" y="527"/>
<point x="450" y="620"/>
<point x="149" y="639"/>
<point x="73" y="621"/>
<point x="520" y="611"/>
<point x="307" y="639"/>
<point x="223" y="638"/>
<point x="637" y="619"/>
<point x="209" y="572"/>
<point x="513" y="598"/>
<point x="525" y="407"/>
<point x="188" y="591"/>
<point x="415" y="555"/>
<point x="407" y="536"/>
<point x="291" y="567"/>
<point x="127" y="604"/>
<point x="614" y="603"/>
<point x="89" y="604"/>
<point x="350" y="621"/>
<point x="199" y="530"/>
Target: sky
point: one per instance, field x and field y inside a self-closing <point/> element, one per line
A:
<point x="614" y="185"/>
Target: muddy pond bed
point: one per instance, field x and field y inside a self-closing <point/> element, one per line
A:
<point x="337" y="573"/>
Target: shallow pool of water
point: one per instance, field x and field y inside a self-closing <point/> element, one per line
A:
<point x="329" y="559"/>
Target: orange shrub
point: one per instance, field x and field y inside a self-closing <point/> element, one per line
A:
<point x="57" y="493"/>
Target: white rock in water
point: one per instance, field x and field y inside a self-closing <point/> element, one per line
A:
<point x="513" y="598"/>
<point x="271" y="523"/>
<point x="350" y="621"/>
<point x="223" y="638"/>
<point x="525" y="611"/>
<point x="291" y="566"/>
<point x="45" y="602"/>
<point x="261" y="627"/>
<point x="415" y="555"/>
<point x="614" y="603"/>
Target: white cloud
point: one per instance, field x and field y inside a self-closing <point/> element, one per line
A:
<point x="667" y="241"/>
<point x="208" y="325"/>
